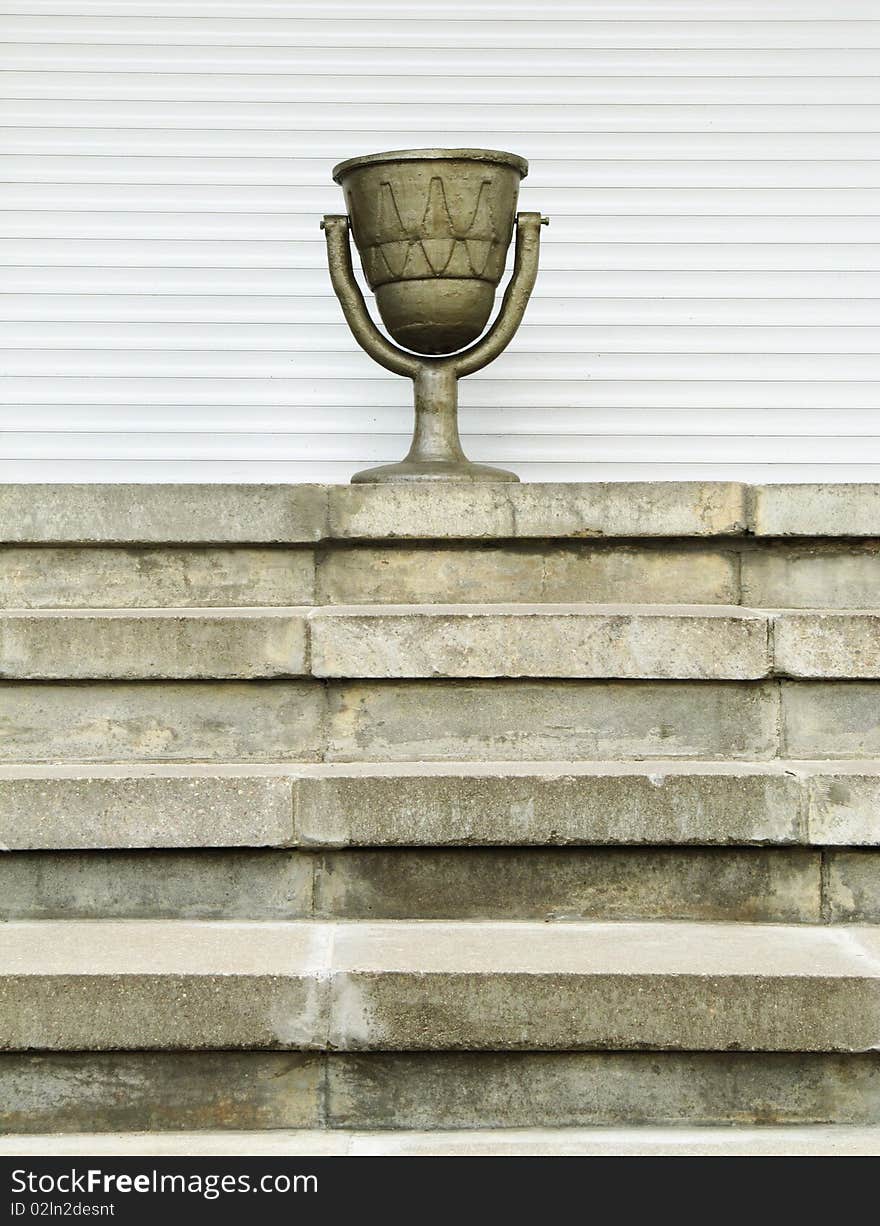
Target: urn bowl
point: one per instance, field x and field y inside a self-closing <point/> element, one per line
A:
<point x="433" y="227"/>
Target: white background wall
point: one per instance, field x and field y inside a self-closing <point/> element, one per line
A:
<point x="707" y="305"/>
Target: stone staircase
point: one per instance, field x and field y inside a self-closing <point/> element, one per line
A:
<point x="336" y="810"/>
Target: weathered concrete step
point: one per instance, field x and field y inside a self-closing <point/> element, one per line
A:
<point x="747" y="571"/>
<point x="42" y="644"/>
<point x="290" y="514"/>
<point x="437" y="720"/>
<point x="810" y="1141"/>
<point x="108" y="577"/>
<point x="438" y="804"/>
<point x="118" y="985"/>
<point x="279" y="514"/>
<point x="755" y="884"/>
<point x="626" y="642"/>
<point x="664" y="641"/>
<point x="94" y="1092"/>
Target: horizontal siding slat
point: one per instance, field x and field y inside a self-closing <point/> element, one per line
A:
<point x="304" y="176"/>
<point x="409" y="56"/>
<point x="467" y="10"/>
<point x="279" y="339"/>
<point x="308" y="204"/>
<point x="267" y="87"/>
<point x="519" y="363"/>
<point x="307" y="261"/>
<point x="366" y="31"/>
<point x="201" y="226"/>
<point x="317" y="391"/>
<point x="623" y="283"/>
<point x="355" y="420"/>
<point x="382" y="448"/>
<point x="218" y="314"/>
<point x="310" y="155"/>
<point x="456" y="118"/>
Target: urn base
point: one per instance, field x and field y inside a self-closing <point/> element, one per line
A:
<point x="432" y="470"/>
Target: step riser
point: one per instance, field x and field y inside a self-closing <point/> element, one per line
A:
<point x="422" y="804"/>
<point x="412" y="641"/>
<point x="747" y="885"/>
<point x="109" y="578"/>
<point x="415" y="1011"/>
<point x="145" y="1091"/>
<point x="773" y="574"/>
<point x="492" y="720"/>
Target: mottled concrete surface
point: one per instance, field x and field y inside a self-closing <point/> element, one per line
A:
<point x="114" y="578"/>
<point x="510" y="720"/>
<point x="466" y="883"/>
<point x="662" y="641"/>
<point x="162" y="722"/>
<point x="129" y="1091"/>
<point x="603" y="573"/>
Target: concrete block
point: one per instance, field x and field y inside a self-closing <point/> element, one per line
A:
<point x="527" y="573"/>
<point x="398" y="574"/>
<point x="466" y="883"/>
<point x="160" y="514"/>
<point x="616" y="641"/>
<point x="114" y="578"/>
<point x="622" y="985"/>
<point x="822" y="719"/>
<point x="629" y="508"/>
<point x="852" y="886"/>
<point x="844" y="804"/>
<point x="708" y="988"/>
<point x="827" y="644"/>
<point x="593" y="509"/>
<point x="553" y="803"/>
<point x="124" y="644"/>
<point x="118" y="985"/>
<point x="203" y="884"/>
<point x="813" y="576"/>
<point x="431" y="1090"/>
<point x="571" y="883"/>
<point x="413" y="512"/>
<point x="620" y="573"/>
<point x="147" y="806"/>
<point x="817" y="510"/>
<point x="162" y="722"/>
<point x="147" y="1091"/>
<point x="530" y="720"/>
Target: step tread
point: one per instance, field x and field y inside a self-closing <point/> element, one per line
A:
<point x="836" y="1140"/>
<point x="432" y="985"/>
<point x="461" y="947"/>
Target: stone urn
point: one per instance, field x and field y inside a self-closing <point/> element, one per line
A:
<point x="433" y="227"/>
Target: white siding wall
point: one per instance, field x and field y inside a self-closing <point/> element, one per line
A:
<point x="708" y="298"/>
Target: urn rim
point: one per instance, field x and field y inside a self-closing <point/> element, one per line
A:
<point x="496" y="157"/>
